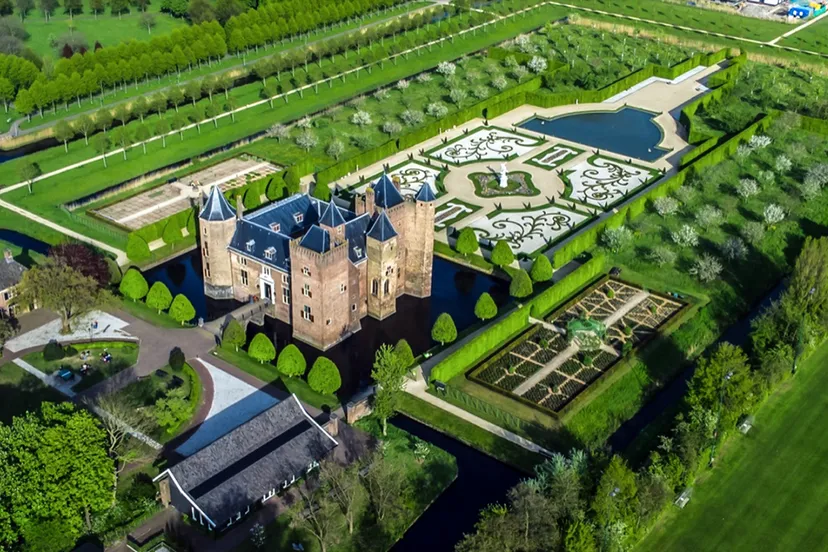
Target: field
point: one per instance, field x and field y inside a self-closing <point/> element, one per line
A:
<point x="769" y="490"/>
<point x="814" y="38"/>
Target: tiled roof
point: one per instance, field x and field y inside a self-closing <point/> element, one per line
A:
<point x="425" y="194"/>
<point x="332" y="216"/>
<point x="11" y="273"/>
<point x="386" y="195"/>
<point x="316" y="239"/>
<point x="239" y="468"/>
<point x="216" y="208"/>
<point x="382" y="229"/>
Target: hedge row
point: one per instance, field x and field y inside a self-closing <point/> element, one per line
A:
<point x="501" y="54"/>
<point x="510" y="325"/>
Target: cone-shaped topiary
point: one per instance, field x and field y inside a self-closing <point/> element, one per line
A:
<point x="261" y="349"/>
<point x="485" y="308"/>
<point x="521" y="285"/>
<point x="159" y="297"/>
<point x="292" y="362"/>
<point x="324" y="376"/>
<point x="133" y="285"/>
<point x="541" y="269"/>
<point x="444" y="330"/>
<point x="181" y="309"/>
<point x="502" y="254"/>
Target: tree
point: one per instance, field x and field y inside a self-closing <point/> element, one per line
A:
<point x="317" y="514"/>
<point x="55" y="468"/>
<point x="403" y="350"/>
<point x="172" y="232"/>
<point x="173" y="409"/>
<point x="541" y="270"/>
<point x="233" y="335"/>
<point x="24" y="7"/>
<point x="502" y="254"/>
<point x="119" y="7"/>
<point x="521" y="284"/>
<point x="344" y="485"/>
<point x="324" y="376"/>
<point x="485" y="308"/>
<point x="85" y="125"/>
<point x="64" y="132"/>
<point x="261" y="348"/>
<point x="7" y="331"/>
<point x="61" y="289"/>
<point x="181" y="309"/>
<point x="616" y="499"/>
<point x="389" y="375"/>
<point x="384" y="482"/>
<point x="444" y="331"/>
<point x="82" y="258"/>
<point x="121" y="418"/>
<point x="159" y="297"/>
<point x="29" y="172"/>
<point x="723" y="381"/>
<point x="102" y="143"/>
<point x="292" y="362"/>
<point x="147" y="21"/>
<point x="335" y="149"/>
<point x="466" y="242"/>
<point x="133" y="285"/>
<point x="6" y="91"/>
<point x="137" y="248"/>
<point x="200" y="11"/>
<point x="580" y="537"/>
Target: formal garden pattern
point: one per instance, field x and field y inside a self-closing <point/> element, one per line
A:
<point x="572" y="371"/>
<point x="410" y="177"/>
<point x="555" y="156"/>
<point x="452" y="212"/>
<point x="528" y="230"/>
<point x="485" y="144"/>
<point x="601" y="181"/>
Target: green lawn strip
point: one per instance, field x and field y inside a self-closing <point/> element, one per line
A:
<point x="476" y="437"/>
<point x="424" y="482"/>
<point x="768" y="489"/>
<point x="139" y="309"/>
<point x="231" y="62"/>
<point x="21" y="392"/>
<point x="124" y="355"/>
<point x="813" y="38"/>
<point x="10" y="220"/>
<point x="268" y="373"/>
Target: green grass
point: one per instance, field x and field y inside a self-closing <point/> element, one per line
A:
<point x="423" y="483"/>
<point x="768" y="490"/>
<point x="267" y="372"/>
<point x="139" y="309"/>
<point x="486" y="442"/>
<point x="21" y="392"/>
<point x="10" y="220"/>
<point x="123" y="354"/>
<point x="814" y="38"/>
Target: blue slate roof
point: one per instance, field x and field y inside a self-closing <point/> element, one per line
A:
<point x="331" y="216"/>
<point x="216" y="208"/>
<point x="386" y="195"/>
<point x="355" y="234"/>
<point x="263" y="244"/>
<point x="425" y="194"/>
<point x="382" y="229"/>
<point x="316" y="239"/>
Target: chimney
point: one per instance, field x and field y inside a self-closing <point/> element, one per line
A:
<point x="8" y="255"/>
<point x="369" y="200"/>
<point x="332" y="426"/>
<point x="239" y="207"/>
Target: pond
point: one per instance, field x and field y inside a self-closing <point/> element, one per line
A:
<point x="27" y="243"/>
<point x="481" y="480"/>
<point x="34" y="147"/>
<point x="630" y="132"/>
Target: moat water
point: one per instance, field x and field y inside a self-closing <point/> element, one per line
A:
<point x="455" y="290"/>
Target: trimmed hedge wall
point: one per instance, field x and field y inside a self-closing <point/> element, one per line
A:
<point x="514" y="323"/>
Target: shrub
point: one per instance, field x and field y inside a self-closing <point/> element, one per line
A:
<point x="292" y="362"/>
<point x="665" y="206"/>
<point x="661" y="255"/>
<point x="485" y="308"/>
<point x="706" y="268"/>
<point x="685" y="236"/>
<point x="159" y="297"/>
<point x="773" y="214"/>
<point x="53" y="351"/>
<point x="403" y="352"/>
<point x="324" y="376"/>
<point x="172" y="232"/>
<point x="181" y="309"/>
<point x="541" y="270"/>
<point x="502" y="254"/>
<point x="466" y="243"/>
<point x="747" y="188"/>
<point x="753" y="232"/>
<point x="233" y="335"/>
<point x="521" y="284"/>
<point x="444" y="331"/>
<point x="616" y="239"/>
<point x="137" y="249"/>
<point x="133" y="285"/>
<point x="261" y="348"/>
<point x="177" y="359"/>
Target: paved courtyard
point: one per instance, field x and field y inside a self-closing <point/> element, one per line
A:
<point x="108" y="327"/>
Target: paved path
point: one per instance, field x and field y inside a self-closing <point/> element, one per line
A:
<point x="797" y="29"/>
<point x="418" y="389"/>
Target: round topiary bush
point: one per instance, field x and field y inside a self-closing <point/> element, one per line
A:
<point x="324" y="376"/>
<point x="53" y="351"/>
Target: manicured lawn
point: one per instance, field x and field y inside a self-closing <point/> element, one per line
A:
<point x="123" y="354"/>
<point x="267" y="372"/>
<point x="768" y="490"/>
<point x="145" y="393"/>
<point x="468" y="433"/>
<point x="12" y="221"/>
<point x="424" y="482"/>
<point x="21" y="392"/>
<point x="814" y="38"/>
<point x="139" y="309"/>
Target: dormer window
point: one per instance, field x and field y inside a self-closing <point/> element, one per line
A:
<point x="358" y="252"/>
<point x="276" y="227"/>
<point x="250" y="245"/>
<point x="298" y="217"/>
<point x="270" y="253"/>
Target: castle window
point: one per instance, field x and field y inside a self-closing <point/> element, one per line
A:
<point x="285" y="279"/>
<point x="275" y="226"/>
<point x="305" y="271"/>
<point x="298" y="217"/>
<point x="205" y="230"/>
<point x="375" y="287"/>
<point x="353" y="307"/>
<point x="206" y="270"/>
<point x="307" y="314"/>
<point x="328" y="322"/>
<point x="270" y="253"/>
<point x="399" y="272"/>
<point x="266" y="270"/>
<point x="250" y="245"/>
<point x="386" y="287"/>
<point x="389" y="270"/>
<point x="244" y="277"/>
<point x="342" y="288"/>
<point x="358" y="252"/>
<point x="306" y="291"/>
<point x="242" y="261"/>
<point x="286" y="296"/>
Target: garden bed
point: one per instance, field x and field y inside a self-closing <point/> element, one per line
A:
<point x="517" y="184"/>
<point x="124" y="355"/>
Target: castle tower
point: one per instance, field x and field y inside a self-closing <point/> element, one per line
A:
<point x="419" y="242"/>
<point x="217" y="225"/>
<point x="319" y="290"/>
<point x="381" y="243"/>
<point x="333" y="222"/>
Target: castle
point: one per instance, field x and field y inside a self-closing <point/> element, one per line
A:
<point x="320" y="267"/>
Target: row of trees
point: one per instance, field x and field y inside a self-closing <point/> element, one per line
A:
<point x="135" y="287"/>
<point x="568" y="507"/>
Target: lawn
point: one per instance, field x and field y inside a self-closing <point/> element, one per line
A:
<point x="768" y="490"/>
<point x="424" y="481"/>
<point x="21" y="392"/>
<point x="165" y="383"/>
<point x="814" y="38"/>
<point x="123" y="354"/>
